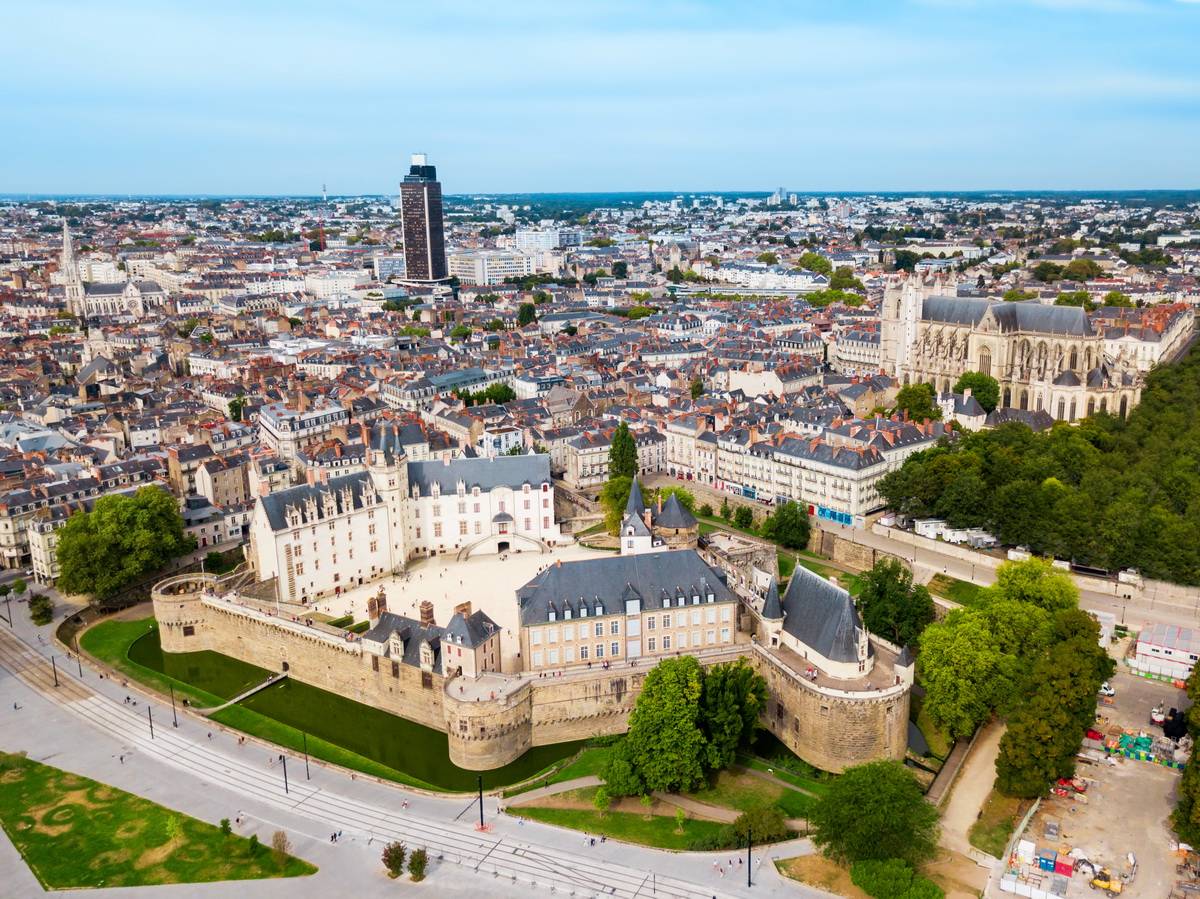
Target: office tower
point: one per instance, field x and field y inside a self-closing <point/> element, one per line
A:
<point x="421" y="221"/>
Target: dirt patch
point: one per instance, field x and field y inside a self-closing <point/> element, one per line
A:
<point x="52" y="818"/>
<point x="581" y="800"/>
<point x="159" y="854"/>
<point x="111" y="858"/>
<point x="818" y="871"/>
<point x="12" y="775"/>
<point x="957" y="875"/>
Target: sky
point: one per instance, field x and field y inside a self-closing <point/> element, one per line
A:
<point x="268" y="97"/>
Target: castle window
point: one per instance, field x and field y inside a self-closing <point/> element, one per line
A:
<point x="427" y="680"/>
<point x="374" y="663"/>
<point x="189" y="630"/>
<point x="395" y="669"/>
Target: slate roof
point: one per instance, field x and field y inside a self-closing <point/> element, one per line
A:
<point x="275" y="504"/>
<point x="501" y="471"/>
<point x="674" y="515"/>
<point x="1026" y="315"/>
<point x="659" y="580"/>
<point x="772" y="610"/>
<point x="470" y="631"/>
<point x="412" y="634"/>
<point x="635" y="505"/>
<point x="821" y="615"/>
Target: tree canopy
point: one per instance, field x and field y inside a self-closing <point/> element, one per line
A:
<point x="622" y="454"/>
<point x="526" y="314"/>
<point x="788" y="526"/>
<point x="875" y="811"/>
<point x="122" y="539"/>
<point x="688" y="722"/>
<point x="893" y="606"/>
<point x="984" y="388"/>
<point x="917" y="400"/>
<point x="1107" y="493"/>
<point x="815" y="262"/>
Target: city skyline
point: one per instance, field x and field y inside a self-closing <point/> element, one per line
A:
<point x="917" y="96"/>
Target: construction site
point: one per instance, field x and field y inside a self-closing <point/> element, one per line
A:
<point x="1108" y="828"/>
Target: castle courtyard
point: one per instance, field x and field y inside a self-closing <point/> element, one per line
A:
<point x="487" y="582"/>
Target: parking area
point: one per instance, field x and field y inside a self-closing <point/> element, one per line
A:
<point x="1126" y="809"/>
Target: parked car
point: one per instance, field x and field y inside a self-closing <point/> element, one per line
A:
<point x="1107" y="690"/>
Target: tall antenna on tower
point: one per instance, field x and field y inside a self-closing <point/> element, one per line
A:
<point x="324" y="195"/>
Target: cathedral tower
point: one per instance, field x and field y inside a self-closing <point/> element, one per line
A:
<point x="68" y="272"/>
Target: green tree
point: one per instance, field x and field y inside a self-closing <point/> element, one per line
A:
<point x="41" y="609"/>
<point x="696" y="388"/>
<point x="394" y="855"/>
<point x="122" y="539"/>
<point x="620" y="270"/>
<point x="665" y="744"/>
<point x="726" y="512"/>
<point x="843" y="279"/>
<point x="892" y="605"/>
<point x="788" y="526"/>
<point x="622" y="454"/>
<point x="460" y="333"/>
<point x="417" y="863"/>
<point x="1082" y="269"/>
<point x="984" y="388"/>
<point x="526" y="314"/>
<point x="613" y="497"/>
<point x="1015" y="295"/>
<point x="686" y="498"/>
<point x="1048" y="271"/>
<point x="602" y="801"/>
<point x="768" y="257"/>
<point x="1036" y="582"/>
<point x="734" y="695"/>
<point x="743" y="517"/>
<point x="237" y="406"/>
<point x="892" y="879"/>
<point x="19" y="587"/>
<point x="1075" y="298"/>
<point x="917" y="401"/>
<point x="1116" y="298"/>
<point x="706" y="510"/>
<point x="875" y="811"/>
<point x="814" y="262"/>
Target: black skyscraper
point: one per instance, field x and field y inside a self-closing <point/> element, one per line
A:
<point x="421" y="218"/>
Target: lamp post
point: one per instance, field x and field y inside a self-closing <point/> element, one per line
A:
<point x="54" y="668"/>
<point x="307" y="775"/>
<point x="283" y="759"/>
<point x="749" y="856"/>
<point x="174" y="715"/>
<point x="481" y="802"/>
<point x="150" y="718"/>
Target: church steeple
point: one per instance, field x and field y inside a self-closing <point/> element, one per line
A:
<point x="68" y="272"/>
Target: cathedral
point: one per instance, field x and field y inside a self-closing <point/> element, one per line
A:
<point x="1046" y="358"/>
<point x="131" y="297"/>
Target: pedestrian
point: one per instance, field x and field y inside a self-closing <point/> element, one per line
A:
<point x="16" y="708"/>
<point x="210" y="734"/>
<point x="121" y="759"/>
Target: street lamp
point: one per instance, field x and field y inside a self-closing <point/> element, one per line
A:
<point x="283" y="759"/>
<point x="174" y="716"/>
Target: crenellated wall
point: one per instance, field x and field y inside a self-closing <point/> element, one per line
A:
<point x="827" y="728"/>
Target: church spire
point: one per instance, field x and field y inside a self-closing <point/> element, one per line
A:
<point x="68" y="273"/>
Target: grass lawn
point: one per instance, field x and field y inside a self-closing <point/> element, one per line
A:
<point x="939" y="741"/>
<point x="659" y="831"/>
<point x="590" y="761"/>
<point x="76" y="833"/>
<point x="745" y="792"/>
<point x="787" y="564"/>
<point x="962" y="592"/>
<point x="992" y="831"/>
<point x="110" y="641"/>
<point x="799" y="781"/>
<point x="597" y="528"/>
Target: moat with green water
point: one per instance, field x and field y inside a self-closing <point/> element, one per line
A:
<point x="419" y="753"/>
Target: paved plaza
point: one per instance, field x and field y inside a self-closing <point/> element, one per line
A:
<point x="487" y="582"/>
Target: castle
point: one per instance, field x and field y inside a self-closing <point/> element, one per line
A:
<point x="586" y="630"/>
<point x="1046" y="358"/>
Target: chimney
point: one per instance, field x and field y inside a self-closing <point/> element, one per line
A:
<point x="464" y="609"/>
<point x="264" y="488"/>
<point x="310" y="475"/>
<point x="427" y="613"/>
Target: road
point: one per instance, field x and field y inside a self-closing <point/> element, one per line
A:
<point x="84" y="725"/>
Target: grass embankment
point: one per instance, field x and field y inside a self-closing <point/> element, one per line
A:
<point x="962" y="592"/>
<point x="939" y="741"/>
<point x="213" y="679"/>
<point x="745" y="792"/>
<point x="589" y="761"/>
<point x="77" y="833"/>
<point x="659" y="831"/>
<point x="994" y="828"/>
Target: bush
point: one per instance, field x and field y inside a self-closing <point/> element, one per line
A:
<point x="226" y="829"/>
<point x="394" y="855"/>
<point x="764" y="825"/>
<point x="893" y="878"/>
<point x="41" y="609"/>
<point x="255" y="847"/>
<point x="744" y="517"/>
<point x="707" y="510"/>
<point x="280" y="847"/>
<point x="416" y="865"/>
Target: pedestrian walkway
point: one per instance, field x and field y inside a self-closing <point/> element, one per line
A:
<point x="971" y="789"/>
<point x="269" y="682"/>
<point x="565" y="786"/>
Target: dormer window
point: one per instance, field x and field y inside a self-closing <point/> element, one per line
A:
<point x="583" y="611"/>
<point x="567" y="613"/>
<point x="552" y="615"/>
